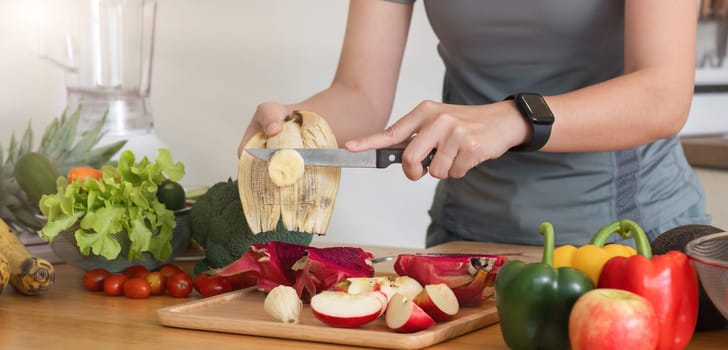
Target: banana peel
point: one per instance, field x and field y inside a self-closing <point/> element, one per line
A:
<point x="285" y="189"/>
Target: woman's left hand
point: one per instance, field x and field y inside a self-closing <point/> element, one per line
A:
<point x="464" y="137"/>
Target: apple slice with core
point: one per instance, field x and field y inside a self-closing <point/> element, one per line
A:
<point x="438" y="301"/>
<point x="344" y="310"/>
<point x="404" y="285"/>
<point x="389" y="285"/>
<point x="404" y="316"/>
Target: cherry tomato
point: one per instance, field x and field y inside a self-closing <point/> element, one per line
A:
<point x="137" y="288"/>
<point x="136" y="271"/>
<point x="93" y="280"/>
<point x="114" y="284"/>
<point x="208" y="286"/>
<point x="179" y="285"/>
<point x="168" y="270"/>
<point x="157" y="282"/>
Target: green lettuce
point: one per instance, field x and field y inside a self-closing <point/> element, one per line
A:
<point x="121" y="206"/>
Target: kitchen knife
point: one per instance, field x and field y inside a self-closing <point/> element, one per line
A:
<point x="339" y="157"/>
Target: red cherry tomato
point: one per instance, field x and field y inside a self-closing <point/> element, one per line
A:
<point x="136" y="271"/>
<point x="168" y="270"/>
<point x="157" y="282"/>
<point x="114" y="284"/>
<point x="208" y="286"/>
<point x="137" y="288"/>
<point x="179" y="285"/>
<point x="93" y="280"/>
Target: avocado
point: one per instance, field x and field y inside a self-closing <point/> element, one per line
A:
<point x="709" y="318"/>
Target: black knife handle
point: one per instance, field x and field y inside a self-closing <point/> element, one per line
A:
<point x="389" y="156"/>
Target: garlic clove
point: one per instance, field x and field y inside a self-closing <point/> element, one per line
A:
<point x="283" y="304"/>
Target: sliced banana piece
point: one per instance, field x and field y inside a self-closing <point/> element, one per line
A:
<point x="285" y="167"/>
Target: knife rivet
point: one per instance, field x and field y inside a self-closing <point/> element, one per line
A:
<point x="392" y="157"/>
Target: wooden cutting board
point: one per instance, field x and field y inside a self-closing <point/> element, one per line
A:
<point x="242" y="312"/>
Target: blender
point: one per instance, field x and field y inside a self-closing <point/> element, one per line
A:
<point x="106" y="55"/>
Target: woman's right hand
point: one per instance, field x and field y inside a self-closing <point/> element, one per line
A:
<point x="268" y="118"/>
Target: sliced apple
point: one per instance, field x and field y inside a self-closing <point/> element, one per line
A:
<point x="382" y="299"/>
<point x="356" y="285"/>
<point x="344" y="310"/>
<point x="404" y="285"/>
<point x="389" y="285"/>
<point x="404" y="316"/>
<point x="438" y="301"/>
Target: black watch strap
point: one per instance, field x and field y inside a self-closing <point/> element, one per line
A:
<point x="537" y="113"/>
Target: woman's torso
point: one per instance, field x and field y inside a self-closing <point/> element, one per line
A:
<point x="492" y="49"/>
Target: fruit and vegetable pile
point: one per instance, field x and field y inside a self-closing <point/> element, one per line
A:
<point x="599" y="297"/>
<point x="340" y="285"/>
<point x="74" y="185"/>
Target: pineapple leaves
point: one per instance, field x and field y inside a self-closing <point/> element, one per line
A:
<point x="61" y="143"/>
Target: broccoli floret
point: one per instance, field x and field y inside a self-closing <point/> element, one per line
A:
<point x="217" y="223"/>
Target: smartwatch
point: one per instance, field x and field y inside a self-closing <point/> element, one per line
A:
<point x="537" y="113"/>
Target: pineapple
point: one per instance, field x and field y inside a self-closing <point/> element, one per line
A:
<point x="60" y="145"/>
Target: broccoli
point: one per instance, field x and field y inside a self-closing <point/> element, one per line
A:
<point x="217" y="223"/>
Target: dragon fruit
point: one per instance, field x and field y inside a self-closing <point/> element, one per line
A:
<point x="309" y="270"/>
<point x="270" y="263"/>
<point x="321" y="269"/>
<point x="470" y="276"/>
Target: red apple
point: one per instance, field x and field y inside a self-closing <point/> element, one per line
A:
<point x="341" y="309"/>
<point x="404" y="316"/>
<point x="438" y="301"/>
<point x="611" y="319"/>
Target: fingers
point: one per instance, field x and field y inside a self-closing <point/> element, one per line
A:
<point x="268" y="118"/>
<point x="456" y="132"/>
<point x="458" y="149"/>
<point x="398" y="133"/>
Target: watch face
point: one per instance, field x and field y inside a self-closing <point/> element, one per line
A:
<point x="536" y="108"/>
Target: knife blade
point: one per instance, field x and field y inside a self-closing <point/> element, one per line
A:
<point x="341" y="158"/>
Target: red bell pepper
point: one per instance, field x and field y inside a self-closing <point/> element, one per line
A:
<point x="669" y="281"/>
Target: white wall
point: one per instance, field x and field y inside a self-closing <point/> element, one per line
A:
<point x="214" y="62"/>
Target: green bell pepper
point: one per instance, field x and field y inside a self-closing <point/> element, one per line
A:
<point x="534" y="300"/>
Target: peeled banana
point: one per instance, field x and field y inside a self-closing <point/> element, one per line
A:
<point x="285" y="189"/>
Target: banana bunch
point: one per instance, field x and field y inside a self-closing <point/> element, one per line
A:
<point x="285" y="189"/>
<point x="61" y="146"/>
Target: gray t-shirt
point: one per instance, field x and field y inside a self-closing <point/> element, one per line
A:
<point x="492" y="49"/>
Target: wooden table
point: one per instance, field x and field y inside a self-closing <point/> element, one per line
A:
<point x="68" y="317"/>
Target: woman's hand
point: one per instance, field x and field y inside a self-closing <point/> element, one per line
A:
<point x="464" y="137"/>
<point x="268" y="117"/>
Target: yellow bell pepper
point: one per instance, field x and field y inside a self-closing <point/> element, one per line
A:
<point x="590" y="258"/>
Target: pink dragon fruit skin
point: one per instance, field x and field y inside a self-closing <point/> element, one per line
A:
<point x="308" y="269"/>
<point x="321" y="269"/>
<point x="470" y="276"/>
<point x="269" y="262"/>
